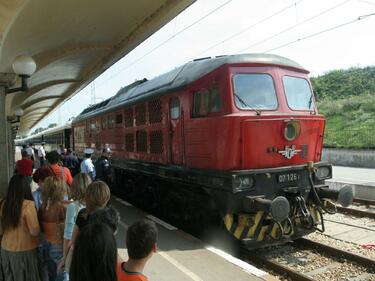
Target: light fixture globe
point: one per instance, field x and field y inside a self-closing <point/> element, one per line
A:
<point x="18" y="111"/>
<point x="24" y="65"/>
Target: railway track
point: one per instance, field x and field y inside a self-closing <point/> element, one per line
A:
<point x="306" y="260"/>
<point x="359" y="212"/>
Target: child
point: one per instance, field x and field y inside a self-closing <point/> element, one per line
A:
<point x="141" y="243"/>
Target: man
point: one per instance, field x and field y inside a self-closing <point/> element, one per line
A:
<point x="42" y="154"/>
<point x="60" y="150"/>
<point x="141" y="244"/>
<point x="30" y="151"/>
<point x="103" y="166"/>
<point x="24" y="167"/>
<point x="87" y="167"/>
<point x="59" y="171"/>
<point x="71" y="162"/>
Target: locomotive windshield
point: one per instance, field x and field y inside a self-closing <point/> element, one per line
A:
<point x="254" y="91"/>
<point x="298" y="93"/>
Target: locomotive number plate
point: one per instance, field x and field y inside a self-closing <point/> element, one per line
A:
<point x="288" y="177"/>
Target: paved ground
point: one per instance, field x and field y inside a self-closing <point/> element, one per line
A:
<point x="354" y="175"/>
<point x="183" y="257"/>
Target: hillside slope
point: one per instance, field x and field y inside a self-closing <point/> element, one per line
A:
<point x="347" y="99"/>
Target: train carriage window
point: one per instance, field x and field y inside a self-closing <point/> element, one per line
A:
<point x="254" y="91"/>
<point x="174" y="108"/>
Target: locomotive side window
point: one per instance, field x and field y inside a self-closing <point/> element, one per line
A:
<point x="111" y="121"/>
<point x="129" y="117"/>
<point x="175" y="108"/>
<point x="104" y="122"/>
<point x="298" y="93"/>
<point x="254" y="91"/>
<point x="205" y="102"/>
<point x="215" y="100"/>
<point x="140" y="114"/>
<point x="119" y="119"/>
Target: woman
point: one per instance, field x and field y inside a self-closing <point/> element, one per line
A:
<point x="52" y="218"/>
<point x="95" y="255"/>
<point x="20" y="230"/>
<point x="78" y="190"/>
<point x="97" y="196"/>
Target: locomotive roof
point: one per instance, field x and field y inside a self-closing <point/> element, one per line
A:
<point x="179" y="78"/>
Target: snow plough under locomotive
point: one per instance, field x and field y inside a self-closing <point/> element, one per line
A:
<point x="236" y="136"/>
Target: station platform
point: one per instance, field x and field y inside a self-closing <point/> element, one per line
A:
<point x="362" y="180"/>
<point x="183" y="257"/>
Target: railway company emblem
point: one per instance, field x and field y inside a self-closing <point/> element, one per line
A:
<point x="289" y="151"/>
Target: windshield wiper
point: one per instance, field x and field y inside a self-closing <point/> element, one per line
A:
<point x="245" y="104"/>
<point x="310" y="103"/>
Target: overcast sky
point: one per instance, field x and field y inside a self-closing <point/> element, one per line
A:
<point x="294" y="29"/>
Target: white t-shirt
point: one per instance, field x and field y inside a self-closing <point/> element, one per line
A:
<point x="88" y="167"/>
<point x="29" y="151"/>
<point x="41" y="152"/>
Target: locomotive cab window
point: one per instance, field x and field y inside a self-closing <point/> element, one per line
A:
<point x="175" y="108"/>
<point x="254" y="91"/>
<point x="298" y="93"/>
<point x="206" y="102"/>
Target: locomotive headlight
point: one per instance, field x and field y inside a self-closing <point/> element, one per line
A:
<point x="242" y="182"/>
<point x="323" y="172"/>
<point x="292" y="130"/>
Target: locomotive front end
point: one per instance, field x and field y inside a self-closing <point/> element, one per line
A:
<point x="282" y="204"/>
<point x="279" y="192"/>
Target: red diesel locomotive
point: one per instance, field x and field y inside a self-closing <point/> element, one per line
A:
<point x="236" y="136"/>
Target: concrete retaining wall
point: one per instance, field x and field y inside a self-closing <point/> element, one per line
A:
<point x="349" y="157"/>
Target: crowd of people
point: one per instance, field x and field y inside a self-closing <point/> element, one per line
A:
<point x="65" y="228"/>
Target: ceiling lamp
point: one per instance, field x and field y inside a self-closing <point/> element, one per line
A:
<point x="23" y="66"/>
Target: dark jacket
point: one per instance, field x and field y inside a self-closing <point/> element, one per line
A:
<point x="103" y="169"/>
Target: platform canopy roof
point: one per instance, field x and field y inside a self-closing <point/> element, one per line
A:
<point x="72" y="42"/>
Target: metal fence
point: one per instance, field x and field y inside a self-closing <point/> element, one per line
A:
<point x="350" y="138"/>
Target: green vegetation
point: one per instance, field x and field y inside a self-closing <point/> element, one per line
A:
<point x="347" y="99"/>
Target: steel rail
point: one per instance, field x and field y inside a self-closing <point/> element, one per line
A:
<point x="366" y="202"/>
<point x="299" y="276"/>
<point x="277" y="267"/>
<point x="356" y="212"/>
<point x="323" y="248"/>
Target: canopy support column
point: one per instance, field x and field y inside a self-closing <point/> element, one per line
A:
<point x="5" y="171"/>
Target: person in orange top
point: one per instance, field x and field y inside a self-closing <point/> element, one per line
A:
<point x="141" y="240"/>
<point x="52" y="218"/>
<point x="20" y="230"/>
<point x="59" y="171"/>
